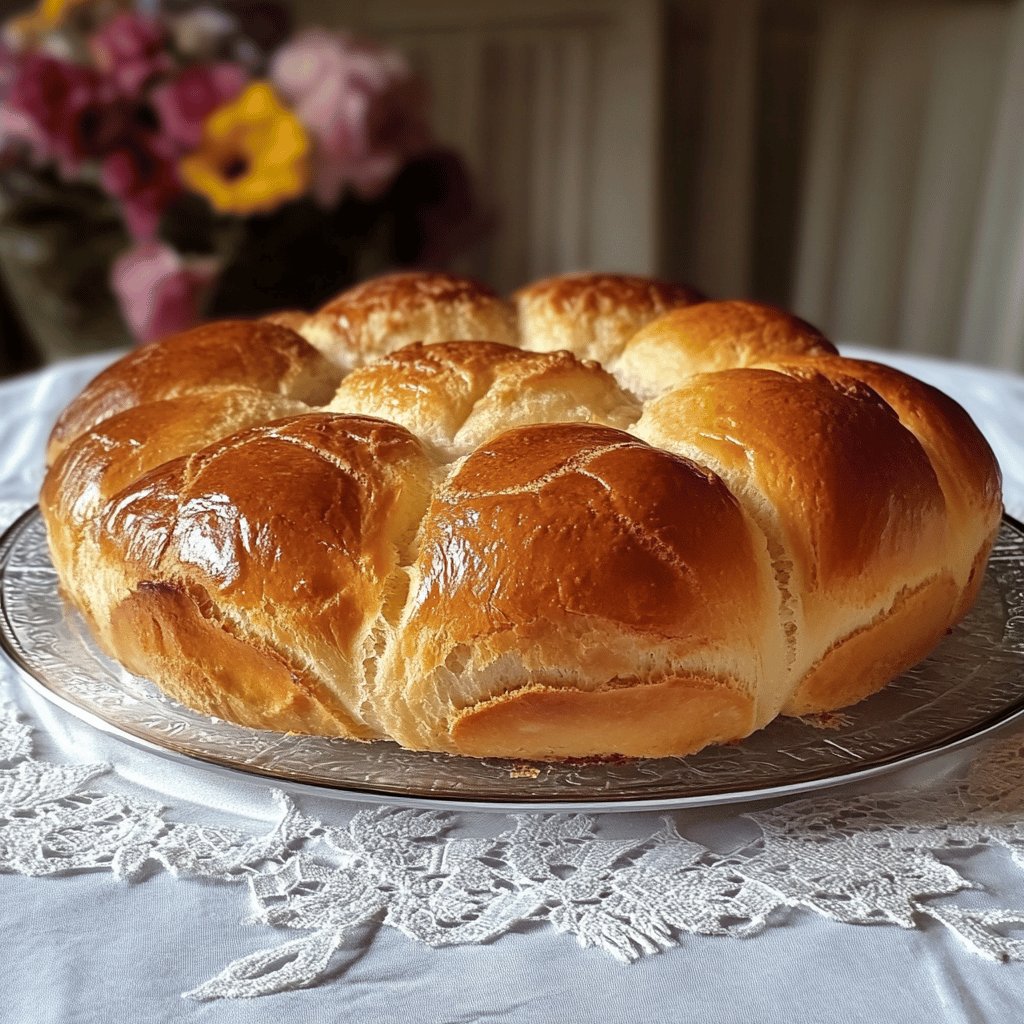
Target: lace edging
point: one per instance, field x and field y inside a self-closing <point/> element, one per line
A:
<point x="860" y="859"/>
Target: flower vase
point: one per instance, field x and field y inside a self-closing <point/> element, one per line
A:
<point x="57" y="243"/>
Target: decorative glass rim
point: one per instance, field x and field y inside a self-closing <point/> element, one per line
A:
<point x="921" y="715"/>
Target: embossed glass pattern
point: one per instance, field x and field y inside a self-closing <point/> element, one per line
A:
<point x="972" y="684"/>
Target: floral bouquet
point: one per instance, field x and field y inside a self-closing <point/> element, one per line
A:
<point x="207" y="161"/>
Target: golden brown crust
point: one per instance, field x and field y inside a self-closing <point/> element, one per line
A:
<point x="847" y="483"/>
<point x="388" y="312"/>
<point x="669" y="718"/>
<point x="430" y="389"/>
<point x="171" y="634"/>
<point x="845" y="495"/>
<point x="534" y="489"/>
<point x="579" y="556"/>
<point x="119" y="450"/>
<point x="794" y="534"/>
<point x="593" y="295"/>
<point x="232" y="353"/>
<point x="593" y="315"/>
<point x="962" y="458"/>
<point x="294" y="529"/>
<point x="865" y="660"/>
<point x="964" y="464"/>
<point x="459" y="394"/>
<point x="712" y="336"/>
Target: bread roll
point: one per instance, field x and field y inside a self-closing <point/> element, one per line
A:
<point x="123" y="448"/>
<point x="712" y="336"/>
<point x="850" y="506"/>
<point x="458" y="394"/>
<point x="452" y="535"/>
<point x="232" y="353"/>
<point x="388" y="312"/>
<point x="593" y="315"/>
<point x="259" y="579"/>
<point x="964" y="464"/>
<point x="578" y="592"/>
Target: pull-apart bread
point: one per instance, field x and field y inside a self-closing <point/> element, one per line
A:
<point x="605" y="517"/>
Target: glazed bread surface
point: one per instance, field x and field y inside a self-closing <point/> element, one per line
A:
<point x="604" y="518"/>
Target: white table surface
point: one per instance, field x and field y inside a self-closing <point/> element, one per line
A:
<point x="90" y="948"/>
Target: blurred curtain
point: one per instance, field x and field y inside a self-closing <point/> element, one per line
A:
<point x="556" y="106"/>
<point x="736" y="102"/>
<point x="859" y="160"/>
<point x="911" y="232"/>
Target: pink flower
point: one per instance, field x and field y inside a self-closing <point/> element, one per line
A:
<point x="184" y="103"/>
<point x="55" y="107"/>
<point x="130" y="49"/>
<point x="142" y="174"/>
<point x="362" y="105"/>
<point x="159" y="292"/>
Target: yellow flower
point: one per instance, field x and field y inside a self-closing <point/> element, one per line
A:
<point x="25" y="30"/>
<point x="53" y="11"/>
<point x="253" y="156"/>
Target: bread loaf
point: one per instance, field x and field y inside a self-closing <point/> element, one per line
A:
<point x="606" y="518"/>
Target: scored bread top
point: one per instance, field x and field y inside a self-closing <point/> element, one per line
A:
<point x="451" y="527"/>
<point x="457" y="394"/>
<point x="593" y="315"/>
<point x="388" y="312"/>
<point x="548" y="553"/>
<point x="296" y="528"/>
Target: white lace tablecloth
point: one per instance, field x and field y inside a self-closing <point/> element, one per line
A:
<point x="133" y="889"/>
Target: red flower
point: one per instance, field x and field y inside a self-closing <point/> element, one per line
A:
<point x="184" y="104"/>
<point x="142" y="174"/>
<point x="60" y="105"/>
<point x="130" y="49"/>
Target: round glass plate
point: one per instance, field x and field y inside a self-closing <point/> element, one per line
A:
<point x="972" y="684"/>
